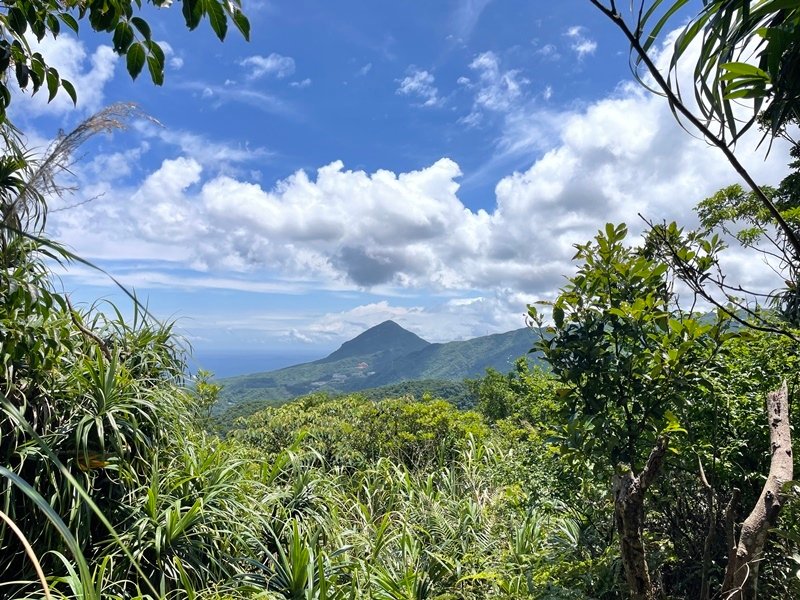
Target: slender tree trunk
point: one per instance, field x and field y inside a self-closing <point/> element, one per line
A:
<point x="629" y="492"/>
<point x="705" y="585"/>
<point x="741" y="575"/>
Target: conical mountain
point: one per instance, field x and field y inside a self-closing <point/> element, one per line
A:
<point x="388" y="338"/>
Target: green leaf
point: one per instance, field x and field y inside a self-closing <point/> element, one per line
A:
<point x="37" y="71"/>
<point x="739" y="68"/>
<point x="135" y="60"/>
<point x="70" y="89"/>
<point x="22" y="73"/>
<point x="142" y="26"/>
<point x="558" y="316"/>
<point x="216" y="16"/>
<point x="192" y="13"/>
<point x="242" y="24"/>
<point x="38" y="28"/>
<point x="69" y="21"/>
<point x="53" y="25"/>
<point x="673" y="425"/>
<point x="16" y="21"/>
<point x="52" y="84"/>
<point x="5" y="100"/>
<point x="156" y="70"/>
<point x="123" y="37"/>
<point x="155" y="50"/>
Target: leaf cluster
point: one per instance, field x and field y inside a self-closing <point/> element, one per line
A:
<point x="131" y="37"/>
<point x="629" y="360"/>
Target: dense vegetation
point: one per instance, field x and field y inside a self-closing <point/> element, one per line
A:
<point x="117" y="490"/>
<point x="458" y="393"/>
<point x="624" y="470"/>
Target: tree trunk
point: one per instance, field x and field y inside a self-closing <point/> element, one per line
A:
<point x="705" y="584"/>
<point x="741" y="574"/>
<point x="629" y="493"/>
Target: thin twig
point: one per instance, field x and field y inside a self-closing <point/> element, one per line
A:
<point x="87" y="332"/>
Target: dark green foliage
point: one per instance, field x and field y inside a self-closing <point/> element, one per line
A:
<point x="130" y="36"/>
<point x="521" y="394"/>
<point x="634" y="369"/>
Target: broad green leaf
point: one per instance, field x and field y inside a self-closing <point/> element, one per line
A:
<point x="156" y="70"/>
<point x="242" y="24"/>
<point x="123" y="37"/>
<point x="155" y="50"/>
<point x="216" y="16"/>
<point x="70" y="89"/>
<point x="69" y="21"/>
<point x="744" y="93"/>
<point x="192" y="13"/>
<point x="142" y="26"/>
<point x="53" y="25"/>
<point x="16" y="20"/>
<point x="22" y="73"/>
<point x="740" y="68"/>
<point x="52" y="83"/>
<point x="135" y="60"/>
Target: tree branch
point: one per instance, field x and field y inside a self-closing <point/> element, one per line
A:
<point x="677" y="104"/>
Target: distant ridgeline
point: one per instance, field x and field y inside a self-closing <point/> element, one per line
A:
<point x="385" y="355"/>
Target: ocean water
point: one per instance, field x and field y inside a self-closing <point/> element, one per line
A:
<point x="238" y="362"/>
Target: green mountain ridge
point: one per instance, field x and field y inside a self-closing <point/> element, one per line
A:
<point x="383" y="355"/>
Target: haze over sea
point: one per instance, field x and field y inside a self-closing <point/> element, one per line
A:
<point x="228" y="363"/>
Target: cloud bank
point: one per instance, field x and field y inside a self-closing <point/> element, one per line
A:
<point x="409" y="233"/>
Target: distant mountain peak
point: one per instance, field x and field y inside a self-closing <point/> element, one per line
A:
<point x="386" y="337"/>
<point x="382" y="355"/>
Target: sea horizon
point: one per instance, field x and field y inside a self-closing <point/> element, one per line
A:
<point x="233" y="362"/>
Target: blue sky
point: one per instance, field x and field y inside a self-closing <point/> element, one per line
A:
<point x="428" y="162"/>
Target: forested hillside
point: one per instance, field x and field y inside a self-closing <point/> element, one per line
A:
<point x="384" y="355"/>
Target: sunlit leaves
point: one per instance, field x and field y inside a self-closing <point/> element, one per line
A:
<point x="131" y="36"/>
<point x="627" y="358"/>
